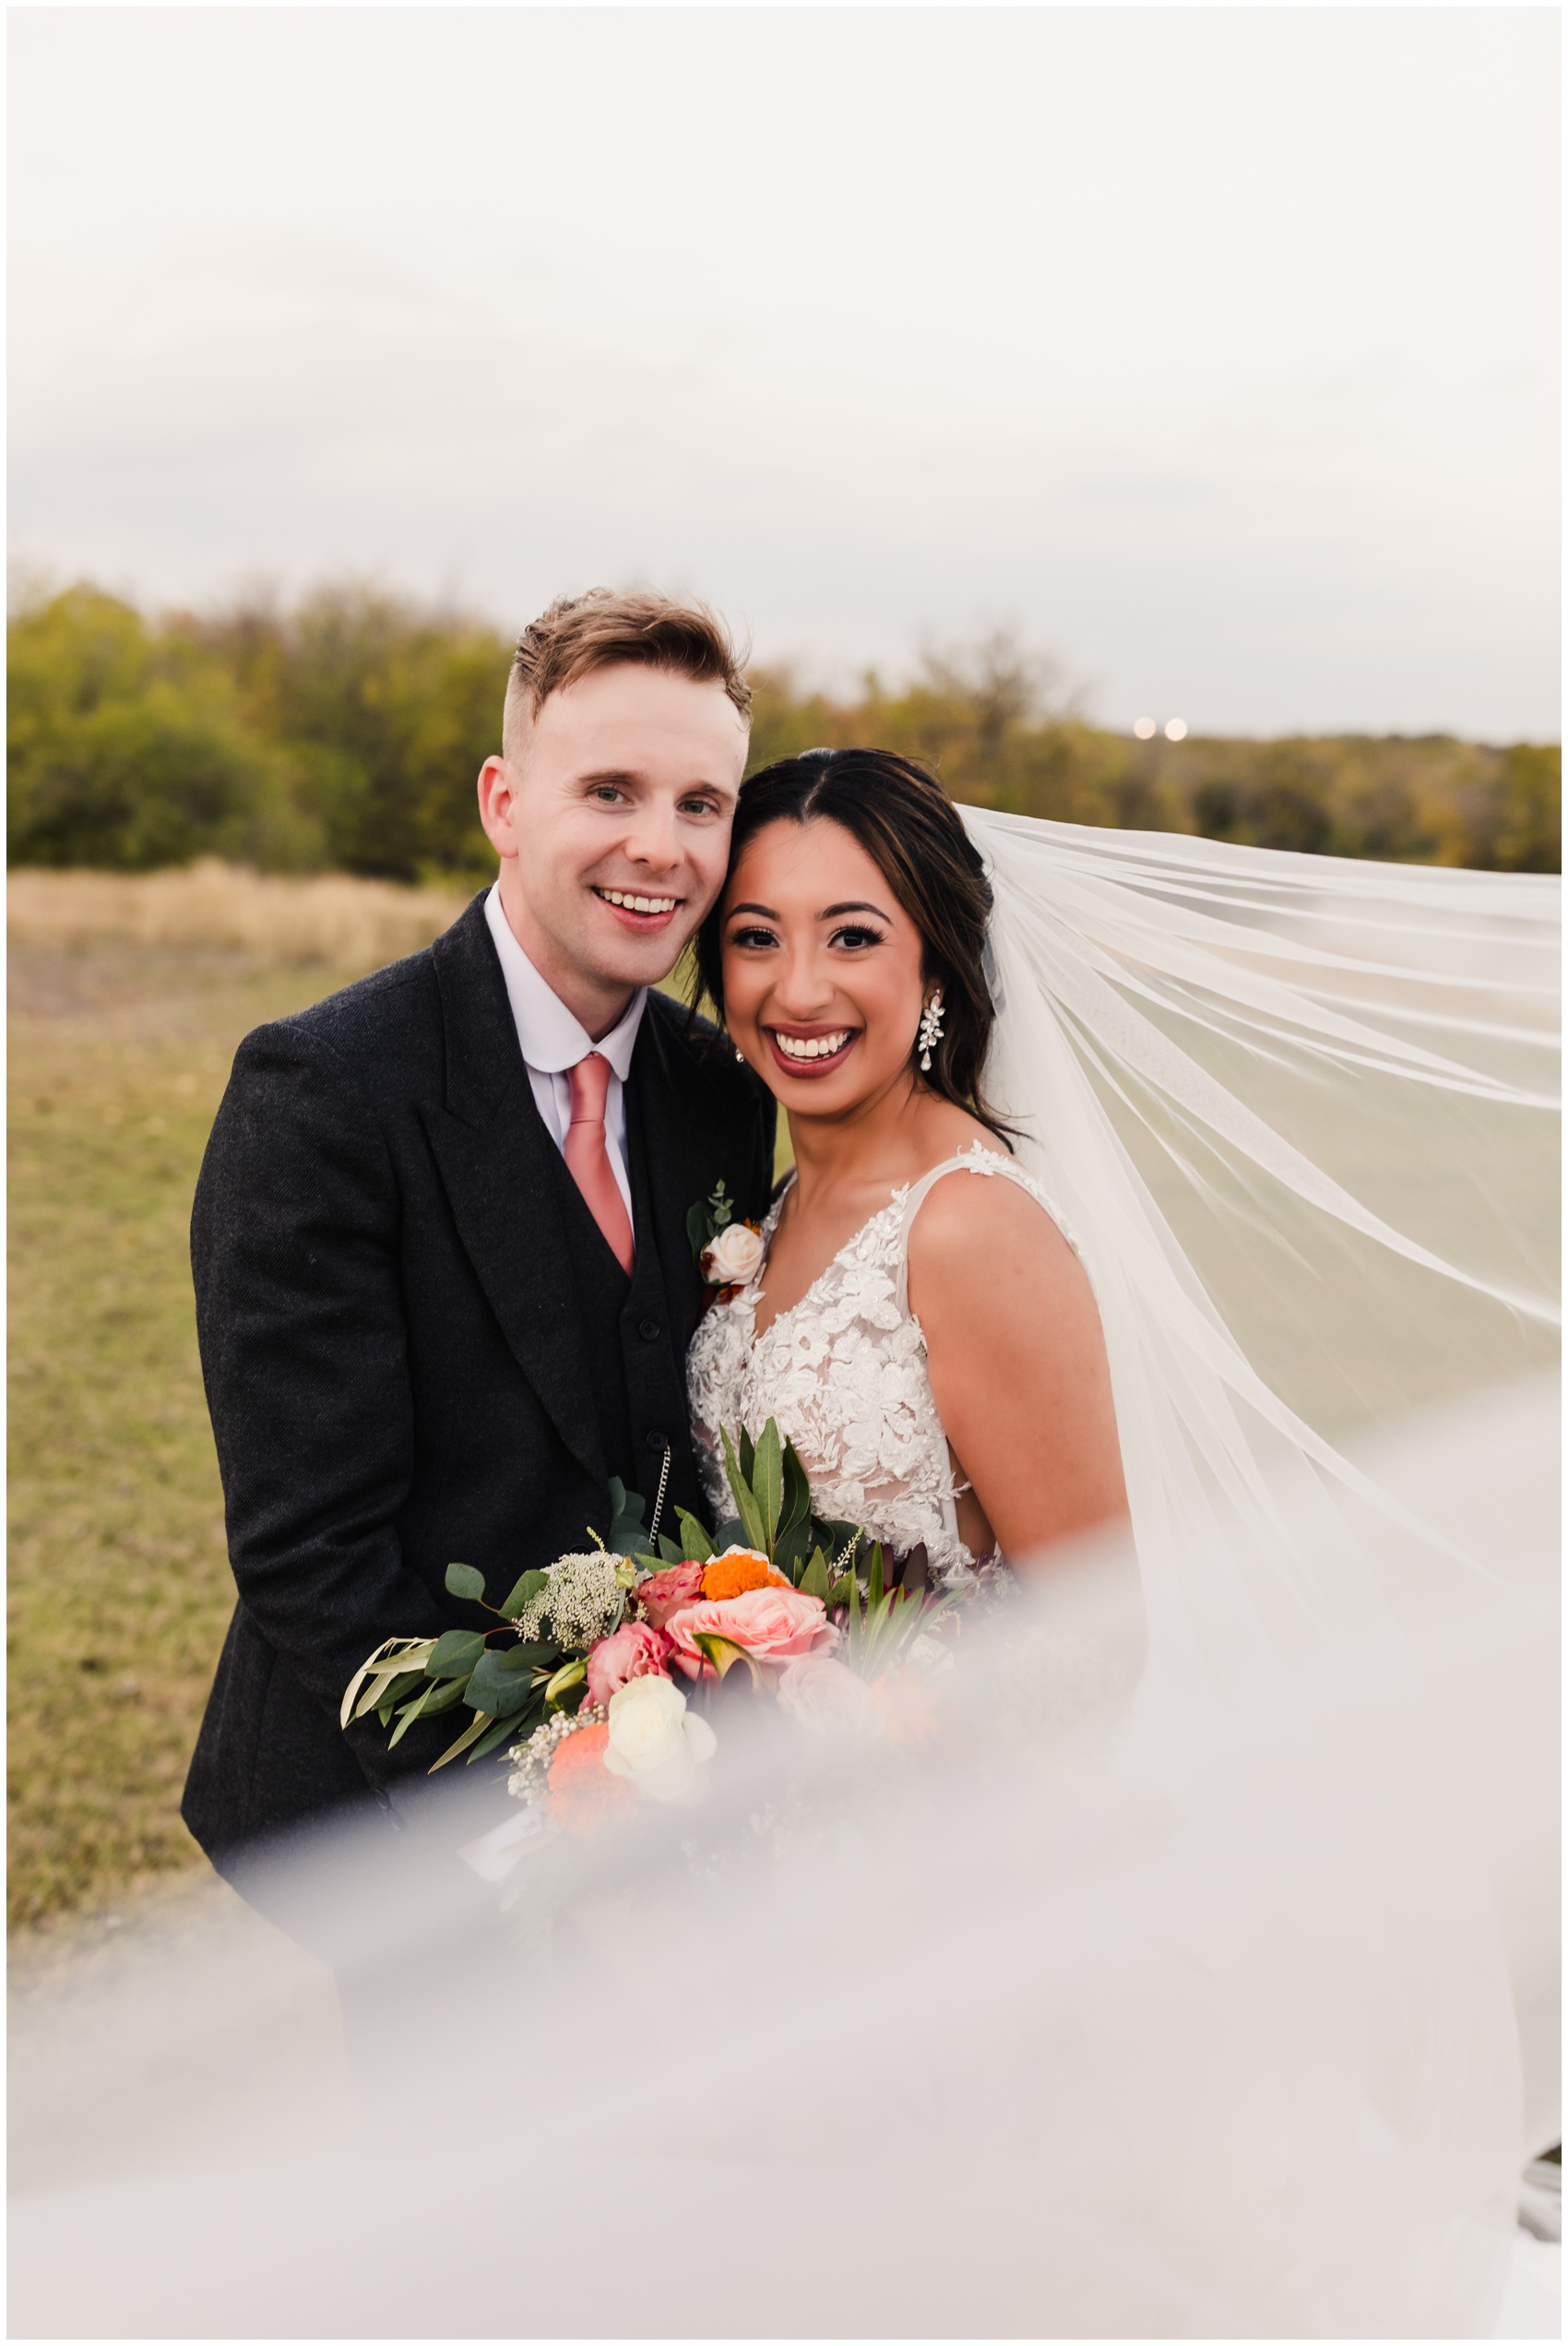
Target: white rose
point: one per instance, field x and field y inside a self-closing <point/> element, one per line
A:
<point x="733" y="1258"/>
<point x="654" y="1741"/>
<point x="829" y="1700"/>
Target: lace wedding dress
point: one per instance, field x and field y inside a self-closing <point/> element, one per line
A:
<point x="843" y="1372"/>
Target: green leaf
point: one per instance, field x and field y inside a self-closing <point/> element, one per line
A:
<point x="797" y="1494"/>
<point x="696" y="1545"/>
<point x="724" y="1653"/>
<point x="469" y="1734"/>
<point x="767" y="1481"/>
<point x="500" y="1732"/>
<point x="723" y="1206"/>
<point x="411" y="1711"/>
<point x="745" y="1503"/>
<point x="698" y="1228"/>
<point x="500" y="1684"/>
<point x="391" y="1655"/>
<point x="748" y="1456"/>
<point x="731" y="1533"/>
<point x="813" y="1580"/>
<point x="455" y="1654"/>
<point x="669" y="1551"/>
<point x="523" y="1593"/>
<point x="790" y="1550"/>
<point x="874" y="1595"/>
<point x="627" y="1535"/>
<point x="462" y="1580"/>
<point x="445" y="1697"/>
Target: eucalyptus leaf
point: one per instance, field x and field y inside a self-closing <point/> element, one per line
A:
<point x="669" y="1551"/>
<point x="697" y="1228"/>
<point x="462" y="1580"/>
<point x="496" y="1688"/>
<point x="731" y="1533"/>
<point x="455" y="1654"/>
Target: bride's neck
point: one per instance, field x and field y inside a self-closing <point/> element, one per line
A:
<point x="874" y="1145"/>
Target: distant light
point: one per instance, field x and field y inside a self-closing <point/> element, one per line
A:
<point x="1176" y="731"/>
<point x="1146" y="729"/>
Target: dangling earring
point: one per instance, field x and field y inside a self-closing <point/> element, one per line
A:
<point x="930" y="1029"/>
<point x="740" y="1054"/>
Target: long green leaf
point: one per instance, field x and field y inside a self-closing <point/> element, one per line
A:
<point x="724" y="1653"/>
<point x="767" y="1481"/>
<point x="797" y="1493"/>
<point x="410" y="1712"/>
<point x="469" y="1734"/>
<point x="745" y="1503"/>
<point x="400" y="1650"/>
<point x="498" y="1735"/>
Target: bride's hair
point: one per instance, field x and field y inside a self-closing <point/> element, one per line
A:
<point x="910" y="827"/>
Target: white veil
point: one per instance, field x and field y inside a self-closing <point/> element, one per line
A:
<point x="1302" y="1117"/>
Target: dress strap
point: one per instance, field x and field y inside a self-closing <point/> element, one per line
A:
<point x="976" y="1159"/>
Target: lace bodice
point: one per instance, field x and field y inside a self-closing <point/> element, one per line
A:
<point x="844" y="1373"/>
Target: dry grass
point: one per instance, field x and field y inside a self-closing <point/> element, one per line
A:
<point x="129" y="997"/>
<point x="348" y="924"/>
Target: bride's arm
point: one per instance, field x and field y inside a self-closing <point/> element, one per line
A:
<point x="1016" y="1361"/>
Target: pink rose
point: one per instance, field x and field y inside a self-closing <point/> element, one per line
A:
<point x="634" y="1651"/>
<point x="821" y="1695"/>
<point x="774" y="1624"/>
<point x="665" y="1593"/>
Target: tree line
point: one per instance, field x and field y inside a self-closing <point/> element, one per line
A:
<point x="344" y="733"/>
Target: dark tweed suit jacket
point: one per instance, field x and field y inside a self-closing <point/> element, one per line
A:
<point x="398" y="1365"/>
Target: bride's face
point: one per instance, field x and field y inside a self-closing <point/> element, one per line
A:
<point x="821" y="968"/>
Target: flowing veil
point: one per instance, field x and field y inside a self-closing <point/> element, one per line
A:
<point x="1197" y="1982"/>
<point x="1302" y="1116"/>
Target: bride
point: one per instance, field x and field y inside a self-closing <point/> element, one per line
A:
<point x="929" y="1342"/>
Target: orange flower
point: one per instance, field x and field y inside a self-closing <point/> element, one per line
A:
<point x="583" y="1793"/>
<point x="736" y="1572"/>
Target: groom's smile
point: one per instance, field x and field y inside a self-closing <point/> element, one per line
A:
<point x="611" y="810"/>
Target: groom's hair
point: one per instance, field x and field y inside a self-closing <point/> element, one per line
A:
<point x="601" y="629"/>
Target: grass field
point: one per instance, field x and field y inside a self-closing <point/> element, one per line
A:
<point x="127" y="1000"/>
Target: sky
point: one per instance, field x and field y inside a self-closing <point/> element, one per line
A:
<point x="1211" y="352"/>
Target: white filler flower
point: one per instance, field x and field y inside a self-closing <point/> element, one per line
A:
<point x="654" y="1741"/>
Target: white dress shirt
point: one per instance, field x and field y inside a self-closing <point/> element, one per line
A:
<point x="552" y="1040"/>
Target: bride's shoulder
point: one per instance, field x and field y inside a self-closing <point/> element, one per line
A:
<point x="981" y="1224"/>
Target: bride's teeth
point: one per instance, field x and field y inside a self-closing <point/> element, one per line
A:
<point x="818" y="1046"/>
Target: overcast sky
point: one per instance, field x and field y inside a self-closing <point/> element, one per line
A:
<point x="1211" y="351"/>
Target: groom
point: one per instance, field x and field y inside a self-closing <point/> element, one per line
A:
<point x="443" y="1285"/>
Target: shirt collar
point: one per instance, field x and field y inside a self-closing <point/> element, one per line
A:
<point x="552" y="1037"/>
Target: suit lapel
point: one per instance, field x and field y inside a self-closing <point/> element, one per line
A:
<point x="676" y="1151"/>
<point x="495" y="1158"/>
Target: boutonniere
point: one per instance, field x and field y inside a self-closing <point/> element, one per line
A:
<point x="727" y="1252"/>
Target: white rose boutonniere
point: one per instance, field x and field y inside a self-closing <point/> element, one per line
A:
<point x="733" y="1258"/>
<point x="655" y="1741"/>
<point x="727" y="1252"/>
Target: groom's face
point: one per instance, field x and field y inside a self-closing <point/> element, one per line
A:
<point x="612" y="822"/>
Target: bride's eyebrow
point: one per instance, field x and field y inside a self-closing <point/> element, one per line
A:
<point x="833" y="911"/>
<point x="767" y="910"/>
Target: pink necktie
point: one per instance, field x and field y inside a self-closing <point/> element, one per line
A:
<point x="588" y="1159"/>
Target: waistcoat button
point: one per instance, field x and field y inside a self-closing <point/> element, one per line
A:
<point x="658" y="1442"/>
<point x="648" y="1329"/>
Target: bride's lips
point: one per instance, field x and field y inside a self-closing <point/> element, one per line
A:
<point x="808" y="1064"/>
<point x="644" y="911"/>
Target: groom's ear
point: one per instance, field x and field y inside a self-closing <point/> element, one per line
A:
<point x="498" y="796"/>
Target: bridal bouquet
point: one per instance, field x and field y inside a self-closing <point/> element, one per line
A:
<point x="610" y="1653"/>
